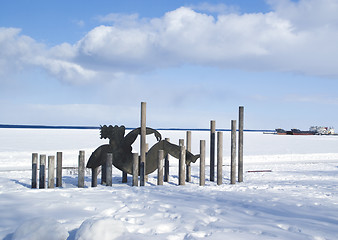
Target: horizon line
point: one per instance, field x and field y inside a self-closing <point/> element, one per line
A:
<point x="29" y="126"/>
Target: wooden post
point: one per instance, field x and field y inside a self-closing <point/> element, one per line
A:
<point x="142" y="177"/>
<point x="166" y="165"/>
<point x="240" y="143"/>
<point x="51" y="170"/>
<point x="94" y="176"/>
<point x="42" y="173"/>
<point x="212" y="149"/>
<point x="146" y="176"/>
<point x="202" y="162"/>
<point x="81" y="170"/>
<point x="104" y="174"/>
<point x="233" y="152"/>
<point x="160" y="167"/>
<point x="188" y="166"/>
<point x="181" y="142"/>
<point x="109" y="169"/>
<point x="219" y="157"/>
<point x="34" y="169"/>
<point x="135" y="169"/>
<point x="181" y="168"/>
<point x="59" y="169"/>
<point x="124" y="177"/>
<point x="143" y="144"/>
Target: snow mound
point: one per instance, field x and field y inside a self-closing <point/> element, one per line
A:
<point x="100" y="228"/>
<point x="41" y="228"/>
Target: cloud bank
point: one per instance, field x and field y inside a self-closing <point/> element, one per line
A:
<point x="294" y="37"/>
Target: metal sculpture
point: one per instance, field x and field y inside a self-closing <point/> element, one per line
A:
<point x="121" y="147"/>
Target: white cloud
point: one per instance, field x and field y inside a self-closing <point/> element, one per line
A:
<point x="297" y="37"/>
<point x="308" y="14"/>
<point x="185" y="36"/>
<point x="79" y="23"/>
<point x="219" y="8"/>
<point x="120" y="19"/>
<point x="312" y="99"/>
<point x="67" y="70"/>
<point x="15" y="50"/>
<point x="18" y="52"/>
<point x="112" y="45"/>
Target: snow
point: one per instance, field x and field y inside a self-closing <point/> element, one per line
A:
<point x="41" y="228"/>
<point x="296" y="200"/>
<point x="101" y="228"/>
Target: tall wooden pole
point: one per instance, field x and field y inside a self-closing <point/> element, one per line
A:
<point x="240" y="143"/>
<point x="124" y="177"/>
<point x="34" y="169"/>
<point x="202" y="162"/>
<point x="160" y="167"/>
<point x="233" y="152"/>
<point x="51" y="170"/>
<point x="104" y="173"/>
<point x="94" y="176"/>
<point x="143" y="144"/>
<point x="59" y="169"/>
<point x="166" y="165"/>
<point x="219" y="157"/>
<point x="181" y="142"/>
<point x="181" y="168"/>
<point x="81" y="169"/>
<point x="188" y="166"/>
<point x="146" y="175"/>
<point x="135" y="170"/>
<point x="42" y="172"/>
<point x="212" y="149"/>
<point x="109" y="169"/>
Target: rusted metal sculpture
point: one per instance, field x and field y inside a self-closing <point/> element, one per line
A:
<point x="121" y="147"/>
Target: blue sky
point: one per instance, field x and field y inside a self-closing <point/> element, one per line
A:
<point x="93" y="62"/>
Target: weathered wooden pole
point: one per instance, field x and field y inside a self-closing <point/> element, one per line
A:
<point x="81" y="169"/>
<point x="51" y="170"/>
<point x="166" y="165"/>
<point x="202" y="162"/>
<point x="160" y="167"/>
<point x="124" y="177"/>
<point x="135" y="170"/>
<point x="34" y="169"/>
<point x="188" y="166"/>
<point x="42" y="173"/>
<point x="109" y="169"/>
<point x="59" y="169"/>
<point x="219" y="157"/>
<point x="181" y="168"/>
<point x="240" y="143"/>
<point x="146" y="176"/>
<point x="181" y="142"/>
<point x="189" y="141"/>
<point x="104" y="173"/>
<point x="94" y="176"/>
<point x="233" y="152"/>
<point x="212" y="149"/>
<point x="143" y="144"/>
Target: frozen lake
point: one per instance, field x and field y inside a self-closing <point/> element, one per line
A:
<point x="296" y="200"/>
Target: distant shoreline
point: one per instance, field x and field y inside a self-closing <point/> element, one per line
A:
<point x="22" y="126"/>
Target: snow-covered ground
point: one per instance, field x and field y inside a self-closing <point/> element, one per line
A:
<point x="296" y="200"/>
